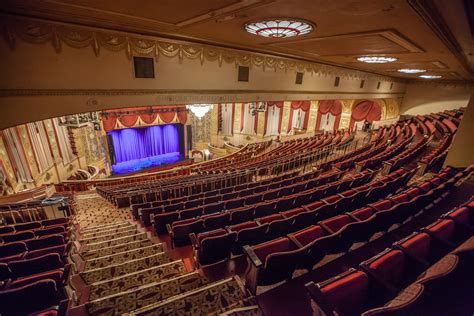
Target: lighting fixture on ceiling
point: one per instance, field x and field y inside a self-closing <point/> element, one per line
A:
<point x="377" y="59"/>
<point x="430" y="76"/>
<point x="279" y="28"/>
<point x="411" y="70"/>
<point x="199" y="110"/>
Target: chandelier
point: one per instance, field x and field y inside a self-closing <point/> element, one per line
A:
<point x="411" y="70"/>
<point x="279" y="28"/>
<point x="377" y="59"/>
<point x="430" y="76"/>
<point x="199" y="110"/>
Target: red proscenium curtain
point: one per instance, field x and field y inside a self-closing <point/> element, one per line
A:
<point x="329" y="106"/>
<point x="183" y="116"/>
<point x="148" y="118"/>
<point x="168" y="116"/>
<point x="109" y="122"/>
<point x="242" y="109"/>
<point x="365" y="110"/>
<point x="304" y="106"/>
<point x="278" y="104"/>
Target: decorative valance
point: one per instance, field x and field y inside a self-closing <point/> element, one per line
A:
<point x="143" y="116"/>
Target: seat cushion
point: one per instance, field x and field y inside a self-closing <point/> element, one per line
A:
<point x="348" y="294"/>
<point x="389" y="267"/>
<point x="278" y="245"/>
<point x="418" y="246"/>
<point x="444" y="230"/>
<point x="337" y="222"/>
<point x="308" y="235"/>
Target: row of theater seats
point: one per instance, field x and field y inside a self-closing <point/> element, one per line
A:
<point x="261" y="204"/>
<point x="417" y="269"/>
<point x="216" y="245"/>
<point x="275" y="261"/>
<point x="34" y="267"/>
<point x="144" y="211"/>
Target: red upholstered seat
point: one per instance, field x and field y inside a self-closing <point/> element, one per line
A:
<point x="270" y="218"/>
<point x="389" y="267"/>
<point x="245" y="225"/>
<point x="382" y="205"/>
<point x="314" y="206"/>
<point x="400" y="198"/>
<point x="278" y="245"/>
<point x="363" y="213"/>
<point x="414" y="192"/>
<point x="27" y="226"/>
<point x="55" y="275"/>
<point x="337" y="222"/>
<point x="418" y="246"/>
<point x="461" y="215"/>
<point x="292" y="212"/>
<point x="308" y="235"/>
<point x="18" y="236"/>
<point x="425" y="186"/>
<point x="443" y="230"/>
<point x="436" y="181"/>
<point x="212" y="233"/>
<point x="348" y="294"/>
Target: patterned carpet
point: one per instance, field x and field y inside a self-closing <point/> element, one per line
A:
<point x="93" y="210"/>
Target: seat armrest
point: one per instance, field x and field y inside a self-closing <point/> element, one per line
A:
<point x="169" y="230"/>
<point x="252" y="256"/>
<point x="194" y="241"/>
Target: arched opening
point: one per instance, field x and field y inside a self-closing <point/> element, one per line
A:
<point x="329" y="115"/>
<point x="365" y="111"/>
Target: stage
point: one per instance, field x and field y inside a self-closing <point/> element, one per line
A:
<point x="145" y="163"/>
<point x="134" y="150"/>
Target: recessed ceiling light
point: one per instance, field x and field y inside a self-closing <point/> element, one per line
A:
<point x="279" y="28"/>
<point x="430" y="76"/>
<point x="377" y="59"/>
<point x="411" y="70"/>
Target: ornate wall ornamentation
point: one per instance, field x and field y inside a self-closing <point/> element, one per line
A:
<point x="58" y="34"/>
<point x="201" y="130"/>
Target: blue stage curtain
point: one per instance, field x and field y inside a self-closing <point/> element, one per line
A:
<point x="138" y="143"/>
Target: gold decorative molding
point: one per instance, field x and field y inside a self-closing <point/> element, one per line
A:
<point x="39" y="31"/>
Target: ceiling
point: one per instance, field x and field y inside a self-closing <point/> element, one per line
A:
<point x="435" y="35"/>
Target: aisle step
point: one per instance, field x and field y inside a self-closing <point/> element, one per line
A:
<point x="117" y="270"/>
<point x="121" y="257"/>
<point x="145" y="295"/>
<point x="104" y="227"/>
<point x="136" y="279"/>
<point x="116" y="241"/>
<point x="110" y="236"/>
<point x="215" y="297"/>
<point x="106" y="251"/>
<point x="106" y="232"/>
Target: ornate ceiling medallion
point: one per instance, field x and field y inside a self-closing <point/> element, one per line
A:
<point x="430" y="76"/>
<point x="411" y="70"/>
<point x="279" y="28"/>
<point x="377" y="59"/>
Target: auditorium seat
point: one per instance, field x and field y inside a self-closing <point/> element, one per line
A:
<point x="216" y="221"/>
<point x="161" y="220"/>
<point x="18" y="236"/>
<point x="12" y="251"/>
<point x="249" y="233"/>
<point x="242" y="215"/>
<point x="179" y="232"/>
<point x="212" y="246"/>
<point x="271" y="262"/>
<point x="43" y="297"/>
<point x="44" y="242"/>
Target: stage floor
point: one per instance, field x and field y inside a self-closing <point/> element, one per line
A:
<point x="145" y="163"/>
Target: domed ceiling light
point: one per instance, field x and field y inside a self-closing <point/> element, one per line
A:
<point x="377" y="59"/>
<point x="430" y="76"/>
<point x="279" y="28"/>
<point x="411" y="70"/>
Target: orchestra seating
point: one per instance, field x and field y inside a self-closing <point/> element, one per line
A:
<point x="254" y="218"/>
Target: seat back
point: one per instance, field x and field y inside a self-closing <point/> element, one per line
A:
<point x="216" y="248"/>
<point x="22" y="268"/>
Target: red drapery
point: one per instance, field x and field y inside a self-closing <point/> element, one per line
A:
<point x="167" y="117"/>
<point x="278" y="104"/>
<point x="365" y="110"/>
<point x="109" y="122"/>
<point x="183" y="116"/>
<point x="128" y="117"/>
<point x="233" y="117"/>
<point x="304" y="106"/>
<point x="329" y="106"/>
